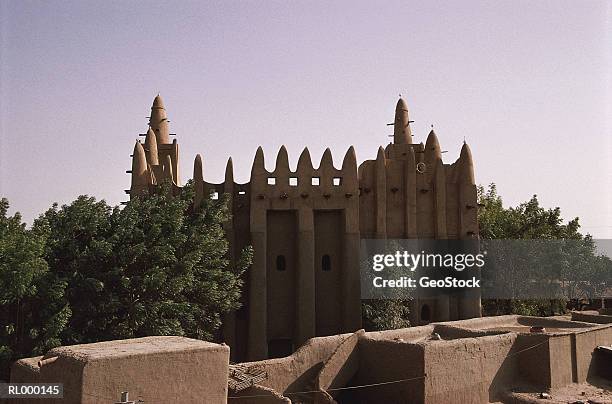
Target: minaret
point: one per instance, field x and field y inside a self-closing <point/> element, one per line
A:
<point x="151" y="148"/>
<point x="140" y="172"/>
<point x="433" y="153"/>
<point x="401" y="126"/>
<point x="159" y="121"/>
<point x="467" y="166"/>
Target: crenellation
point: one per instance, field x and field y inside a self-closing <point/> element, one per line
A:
<point x="198" y="181"/>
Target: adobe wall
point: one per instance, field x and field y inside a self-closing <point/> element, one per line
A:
<point x="409" y="334"/>
<point x="381" y="361"/>
<point x="592" y="317"/>
<point x="560" y="360"/>
<point x="155" y="369"/>
<point x="448" y="332"/>
<point x="585" y="344"/>
<point x="518" y="320"/>
<point x="298" y="371"/>
<point x="341" y="366"/>
<point x="26" y="370"/>
<point x="468" y="370"/>
<point x="259" y="395"/>
<point x="300" y="217"/>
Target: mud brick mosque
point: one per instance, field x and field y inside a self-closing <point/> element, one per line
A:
<point x="306" y="226"/>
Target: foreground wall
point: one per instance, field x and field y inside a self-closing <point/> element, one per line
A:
<point x="470" y="361"/>
<point x="154" y="369"/>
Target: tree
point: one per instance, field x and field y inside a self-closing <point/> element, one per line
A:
<point x="32" y="311"/>
<point x="381" y="314"/>
<point x="526" y="221"/>
<point x="156" y="267"/>
<point x="556" y="253"/>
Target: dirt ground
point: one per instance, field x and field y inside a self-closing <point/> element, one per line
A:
<point x="599" y="392"/>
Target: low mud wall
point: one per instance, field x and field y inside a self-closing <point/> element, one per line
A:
<point x="298" y="371"/>
<point x="390" y="363"/>
<point x="469" y="370"/>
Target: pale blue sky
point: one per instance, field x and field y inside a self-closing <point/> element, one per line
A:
<point x="527" y="83"/>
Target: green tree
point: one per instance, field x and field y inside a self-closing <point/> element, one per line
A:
<point x="32" y="310"/>
<point x="155" y="267"/>
<point x="571" y="258"/>
<point x="528" y="220"/>
<point x="381" y="314"/>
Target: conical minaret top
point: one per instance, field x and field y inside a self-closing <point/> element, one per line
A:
<point x="401" y="126"/>
<point x="159" y="121"/>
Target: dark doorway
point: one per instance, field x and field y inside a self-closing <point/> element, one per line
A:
<point x="425" y="314"/>
<point x="279" y="348"/>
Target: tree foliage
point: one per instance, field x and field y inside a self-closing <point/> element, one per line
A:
<point x="528" y="220"/>
<point x="88" y="272"/>
<point x="381" y="314"/>
<point x="156" y="267"/>
<point x="32" y="311"/>
<point x="564" y="263"/>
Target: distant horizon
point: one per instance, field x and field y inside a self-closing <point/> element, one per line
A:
<point x="526" y="84"/>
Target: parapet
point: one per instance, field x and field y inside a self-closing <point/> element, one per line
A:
<point x="154" y="369"/>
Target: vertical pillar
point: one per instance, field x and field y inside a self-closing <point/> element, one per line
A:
<point x="440" y="200"/>
<point x="381" y="194"/>
<point x="411" y="190"/>
<point x="351" y="283"/>
<point x="229" y="321"/>
<point x="470" y="305"/>
<point x="257" y="347"/>
<point x="305" y="293"/>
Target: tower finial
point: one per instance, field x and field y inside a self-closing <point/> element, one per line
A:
<point x="140" y="173"/>
<point x="151" y="148"/>
<point x="159" y="121"/>
<point x="401" y="126"/>
<point x="467" y="165"/>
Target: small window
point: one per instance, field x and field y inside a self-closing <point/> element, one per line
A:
<point x="326" y="263"/>
<point x="316" y="181"/>
<point x="293" y="181"/>
<point x="241" y="192"/>
<point x="271" y="181"/>
<point x="214" y="195"/>
<point x="425" y="314"/>
<point x="281" y="264"/>
<point x="337" y="181"/>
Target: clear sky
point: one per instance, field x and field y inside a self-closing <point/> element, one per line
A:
<point x="526" y="83"/>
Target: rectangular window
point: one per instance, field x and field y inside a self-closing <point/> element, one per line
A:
<point x="316" y="181"/>
<point x="271" y="181"/>
<point x="337" y="181"/>
<point x="293" y="181"/>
